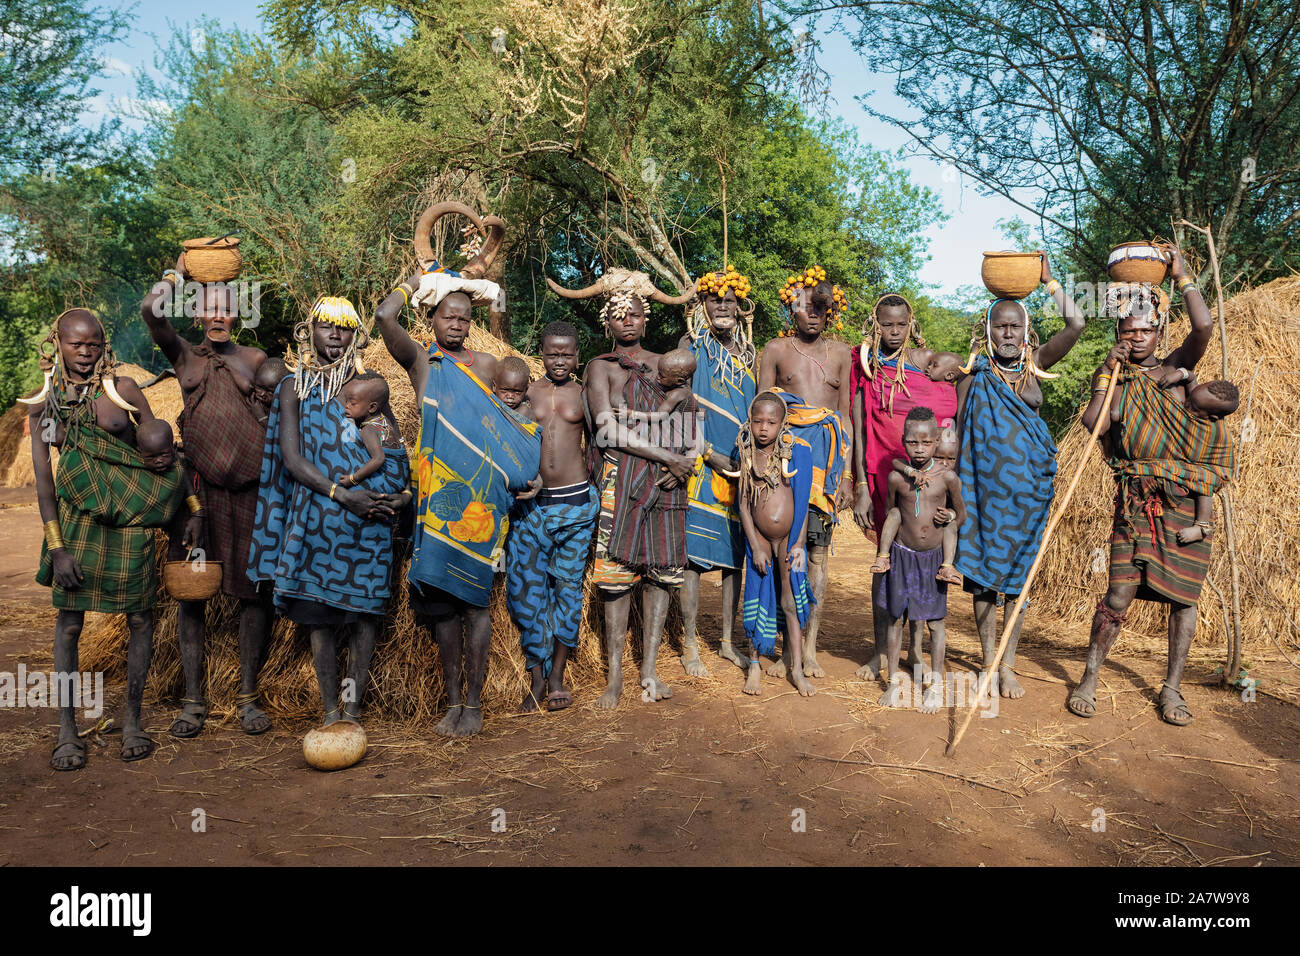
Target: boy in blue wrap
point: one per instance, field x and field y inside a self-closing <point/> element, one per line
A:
<point x="775" y="479"/>
<point x="551" y="534"/>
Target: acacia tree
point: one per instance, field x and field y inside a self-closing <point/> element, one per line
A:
<point x="322" y="152"/>
<point x="602" y="119"/>
<point x="50" y="54"/>
<point x="1117" y="117"/>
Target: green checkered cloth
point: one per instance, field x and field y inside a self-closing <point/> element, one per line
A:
<point x="109" y="506"/>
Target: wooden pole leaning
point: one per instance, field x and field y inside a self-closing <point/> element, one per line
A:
<point x="1103" y="419"/>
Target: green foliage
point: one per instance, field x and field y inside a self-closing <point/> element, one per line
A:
<point x="1110" y="120"/>
<point x="605" y="133"/>
<point x="49" y="56"/>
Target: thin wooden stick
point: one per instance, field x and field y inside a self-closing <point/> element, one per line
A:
<point x="1103" y="418"/>
<point x="1228" y="763"/>
<point x="1233" y="666"/>
<point x="904" y="766"/>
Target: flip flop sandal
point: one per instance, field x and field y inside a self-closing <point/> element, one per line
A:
<point x="555" y="697"/>
<point x="79" y="748"/>
<point x="246" y="707"/>
<point x="1087" y="700"/>
<point x="190" y="722"/>
<point x="137" y="740"/>
<point x="1167" y="709"/>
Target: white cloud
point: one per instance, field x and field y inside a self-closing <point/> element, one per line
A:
<point x="133" y="107"/>
<point x="112" y="66"/>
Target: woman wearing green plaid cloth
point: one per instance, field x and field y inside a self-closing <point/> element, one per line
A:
<point x="100" y="512"/>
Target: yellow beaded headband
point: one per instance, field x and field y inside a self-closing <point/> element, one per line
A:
<point x="335" y="310"/>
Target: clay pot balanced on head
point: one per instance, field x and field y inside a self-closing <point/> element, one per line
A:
<point x="1011" y="275"/>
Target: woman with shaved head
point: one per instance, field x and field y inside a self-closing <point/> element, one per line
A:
<point x="99" y="513"/>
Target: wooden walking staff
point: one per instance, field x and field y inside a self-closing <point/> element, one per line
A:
<point x="1103" y="418"/>
<point x="1231" y="669"/>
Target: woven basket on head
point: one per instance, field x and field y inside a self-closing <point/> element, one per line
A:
<point x="212" y="260"/>
<point x="1011" y="275"/>
<point x="1138" y="262"/>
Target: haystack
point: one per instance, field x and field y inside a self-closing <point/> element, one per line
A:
<point x="1263" y="342"/>
<point x="406" y="674"/>
<point x="16" y="471"/>
<point x="13" y="431"/>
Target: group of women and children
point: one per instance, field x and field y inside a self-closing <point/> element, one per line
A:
<point x="640" y="476"/>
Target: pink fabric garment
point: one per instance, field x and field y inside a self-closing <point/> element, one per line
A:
<point x="883" y="432"/>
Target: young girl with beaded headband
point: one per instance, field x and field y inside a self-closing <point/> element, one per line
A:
<point x="775" y="479"/>
<point x="323" y="545"/>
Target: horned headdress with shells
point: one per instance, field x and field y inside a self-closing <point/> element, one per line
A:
<point x="438" y="281"/>
<point x="55" y="384"/>
<point x="621" y="286"/>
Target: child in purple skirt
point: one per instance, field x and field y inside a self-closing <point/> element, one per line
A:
<point x="911" y="557"/>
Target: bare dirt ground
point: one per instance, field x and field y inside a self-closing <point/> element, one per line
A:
<point x="708" y="777"/>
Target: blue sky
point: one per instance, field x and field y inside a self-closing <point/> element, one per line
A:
<point x="955" y="247"/>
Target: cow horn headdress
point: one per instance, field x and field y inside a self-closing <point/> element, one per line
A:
<point x="623" y="282"/>
<point x="491" y="228"/>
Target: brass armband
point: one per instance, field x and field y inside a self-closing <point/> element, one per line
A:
<point x="195" y="506"/>
<point x="53" y="536"/>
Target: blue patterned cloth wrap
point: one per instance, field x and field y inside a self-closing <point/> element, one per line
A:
<point x="1006" y="465"/>
<point x="764" y="619"/>
<point x="546" y="556"/>
<point x="308" y="545"/>
<point x="473" y="454"/>
<point x="723" y="388"/>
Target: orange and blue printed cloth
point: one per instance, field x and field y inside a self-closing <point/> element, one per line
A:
<point x="829" y="439"/>
<point x="472" y="455"/>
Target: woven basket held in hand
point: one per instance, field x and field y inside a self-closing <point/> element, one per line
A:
<point x="192" y="580"/>
<point x="1011" y="275"/>
<point x="1138" y="262"/>
<point x="218" y="262"/>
